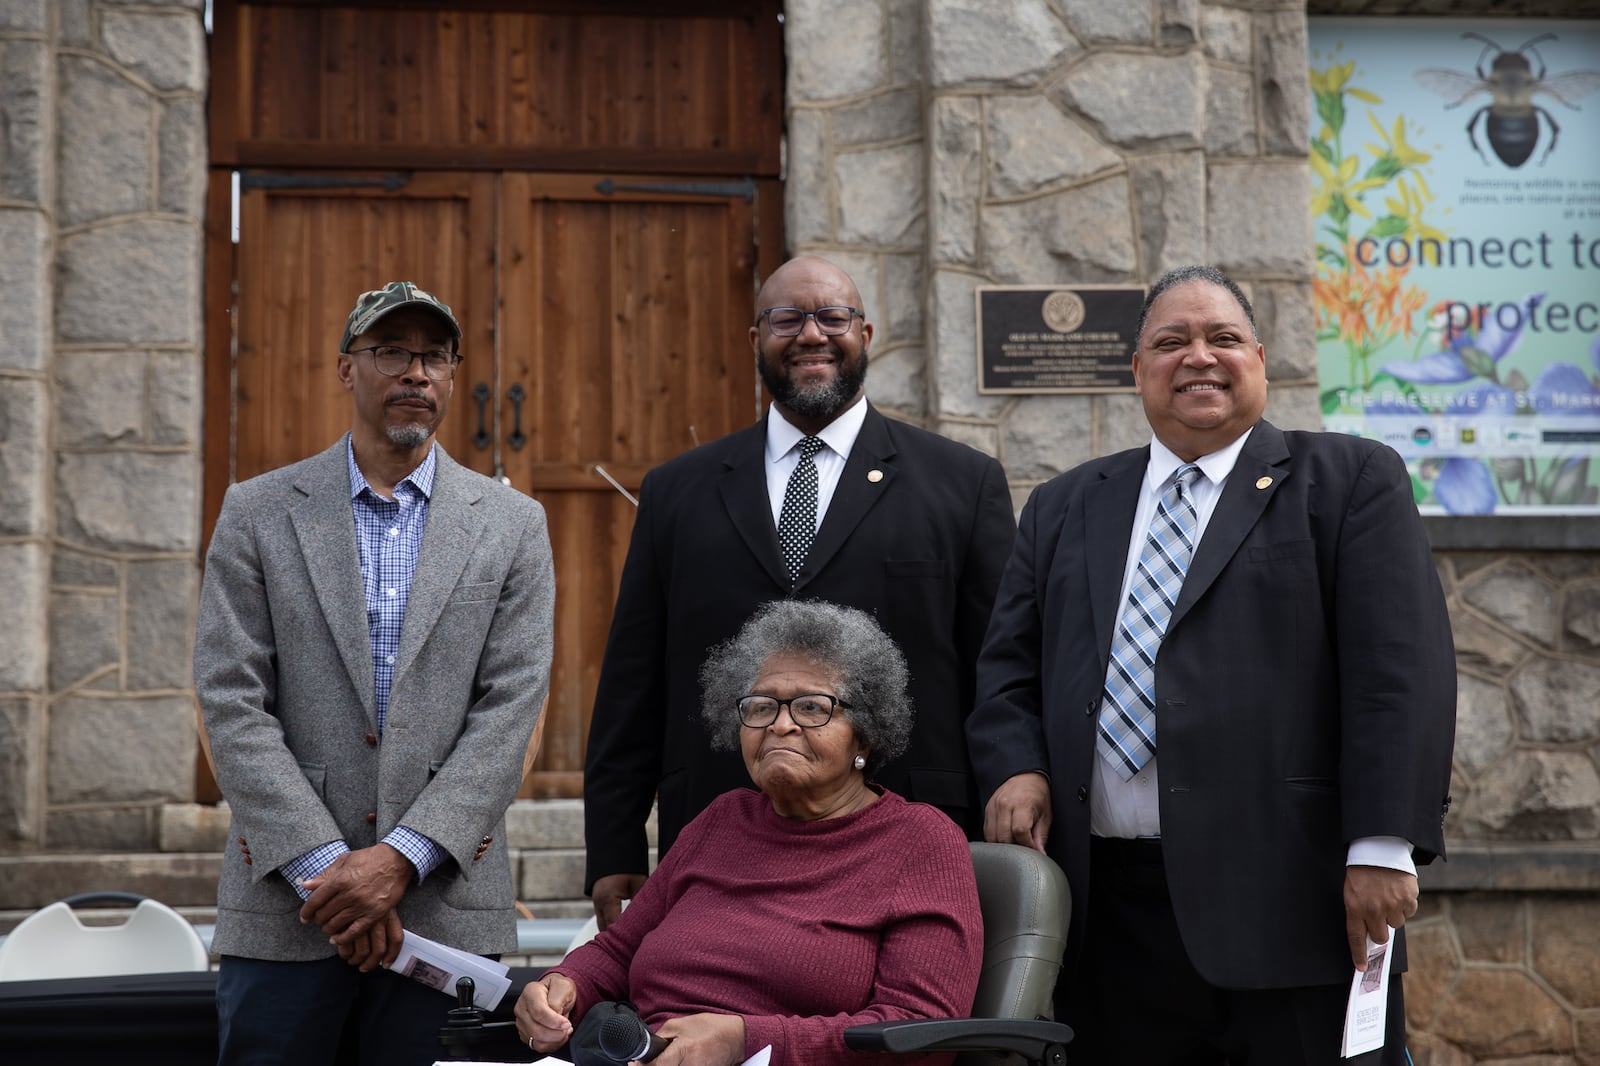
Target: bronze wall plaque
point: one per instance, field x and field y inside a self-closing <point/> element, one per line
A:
<point x="1059" y="338"/>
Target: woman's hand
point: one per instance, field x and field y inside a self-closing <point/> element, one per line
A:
<point x="702" y="1040"/>
<point x="542" y="1012"/>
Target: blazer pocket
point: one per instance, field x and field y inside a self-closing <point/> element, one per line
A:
<point x="481" y="590"/>
<point x="1289" y="549"/>
<point x="924" y="568"/>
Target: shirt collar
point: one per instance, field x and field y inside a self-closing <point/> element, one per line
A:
<point x="1216" y="466"/>
<point x="421" y="478"/>
<point x="840" y="434"/>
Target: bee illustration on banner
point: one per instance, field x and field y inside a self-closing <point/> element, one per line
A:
<point x="1512" y="123"/>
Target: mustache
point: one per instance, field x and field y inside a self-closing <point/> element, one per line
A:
<point x="795" y="351"/>
<point x="402" y="395"/>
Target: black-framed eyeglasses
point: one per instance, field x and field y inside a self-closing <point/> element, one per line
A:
<point x="809" y="711"/>
<point x="789" y="321"/>
<point x="393" y="361"/>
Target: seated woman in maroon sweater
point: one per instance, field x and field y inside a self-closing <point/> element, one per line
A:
<point x="785" y="916"/>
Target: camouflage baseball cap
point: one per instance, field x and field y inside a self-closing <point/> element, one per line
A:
<point x="373" y="305"/>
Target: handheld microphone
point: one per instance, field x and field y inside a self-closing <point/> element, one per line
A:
<point x="625" y="1038"/>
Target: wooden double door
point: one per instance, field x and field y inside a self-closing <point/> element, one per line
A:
<point x="604" y="310"/>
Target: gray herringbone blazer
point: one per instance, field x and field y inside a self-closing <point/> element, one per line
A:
<point x="283" y="670"/>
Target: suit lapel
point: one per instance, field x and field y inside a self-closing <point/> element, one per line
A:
<point x="1108" y="509"/>
<point x="453" y="528"/>
<point x="856" y="493"/>
<point x="1241" y="505"/>
<point x="325" y="528"/>
<point x="743" y="487"/>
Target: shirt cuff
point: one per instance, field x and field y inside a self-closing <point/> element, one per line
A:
<point x="423" y="853"/>
<point x="1391" y="852"/>
<point x="311" y="864"/>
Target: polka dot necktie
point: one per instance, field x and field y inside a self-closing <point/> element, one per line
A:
<point x="797" y="522"/>
<point x="1128" y="715"/>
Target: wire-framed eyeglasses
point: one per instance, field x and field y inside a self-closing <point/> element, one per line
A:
<point x="789" y="321"/>
<point x="392" y="361"/>
<point x="813" y="710"/>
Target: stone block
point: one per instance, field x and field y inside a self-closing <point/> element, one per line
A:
<point x="84" y="635"/>
<point x="550" y="873"/>
<point x="1482" y="645"/>
<point x="1230" y="113"/>
<point x="1581" y="617"/>
<point x="882" y="197"/>
<point x="1493" y="1013"/>
<point x="1281" y="73"/>
<point x="1483" y="723"/>
<point x="957" y="177"/>
<point x="1226" y="33"/>
<point x="128" y="500"/>
<point x="24" y="16"/>
<point x="175" y="398"/>
<point x="1431" y="956"/>
<point x="994" y="42"/>
<point x="1083" y="234"/>
<point x="955" y="318"/>
<point x="162" y="595"/>
<point x="121" y="750"/>
<point x="545" y="824"/>
<point x="131" y="282"/>
<point x="1043" y="436"/>
<point x="24" y="575"/>
<point x="905" y="41"/>
<point x="1101" y="23"/>
<point x="181" y="177"/>
<point x="1563" y="566"/>
<point x="75" y="23"/>
<point x="1169" y="193"/>
<point x="1566" y="948"/>
<point x="904" y="296"/>
<point x="26" y="103"/>
<point x="80" y="570"/>
<point x="899" y="381"/>
<point x="24" y="444"/>
<point x="1490" y="928"/>
<point x="31" y="881"/>
<point x="853" y="61"/>
<point x="808" y="198"/>
<point x="101" y="829"/>
<point x="888" y="116"/>
<point x="1120" y="423"/>
<point x="21" y="764"/>
<point x="1288" y="329"/>
<point x="189" y="827"/>
<point x="1518" y="599"/>
<point x="100" y="397"/>
<point x="1557" y="700"/>
<point x="26" y="307"/>
<point x="1536" y="795"/>
<point x="1139" y="101"/>
<point x="1257" y="221"/>
<point x="981" y="436"/>
<point x="168" y="50"/>
<point x="107" y="130"/>
<point x="1294" y="406"/>
<point x="1180" y="22"/>
<point x="1033" y="145"/>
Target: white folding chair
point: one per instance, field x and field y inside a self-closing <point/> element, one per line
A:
<point x="53" y="943"/>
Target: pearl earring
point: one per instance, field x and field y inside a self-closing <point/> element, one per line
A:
<point x="861" y="762"/>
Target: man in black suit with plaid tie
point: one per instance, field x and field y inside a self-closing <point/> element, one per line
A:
<point x="825" y="499"/>
<point x="1257" y="613"/>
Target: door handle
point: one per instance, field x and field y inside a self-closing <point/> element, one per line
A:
<point x="517" y="394"/>
<point x="480" y="394"/>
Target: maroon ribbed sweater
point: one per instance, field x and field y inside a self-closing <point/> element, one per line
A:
<point x="803" y="928"/>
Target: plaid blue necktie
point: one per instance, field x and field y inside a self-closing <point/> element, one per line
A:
<point x="1127" y="716"/>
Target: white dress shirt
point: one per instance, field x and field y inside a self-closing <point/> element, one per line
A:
<point x="1132" y="808"/>
<point x="783" y="454"/>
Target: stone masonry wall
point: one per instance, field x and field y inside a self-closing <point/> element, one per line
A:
<point x="102" y="178"/>
<point x="946" y="144"/>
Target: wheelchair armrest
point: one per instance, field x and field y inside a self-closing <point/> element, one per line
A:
<point x="1036" y="1041"/>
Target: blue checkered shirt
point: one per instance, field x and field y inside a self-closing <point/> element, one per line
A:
<point x="389" y="538"/>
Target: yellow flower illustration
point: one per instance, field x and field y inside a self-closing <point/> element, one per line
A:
<point x="1395" y="143"/>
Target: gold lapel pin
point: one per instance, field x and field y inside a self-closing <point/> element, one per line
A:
<point x="874" y="476"/>
<point x="1263" y="482"/>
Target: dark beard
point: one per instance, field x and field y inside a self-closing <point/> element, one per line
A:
<point x="819" y="401"/>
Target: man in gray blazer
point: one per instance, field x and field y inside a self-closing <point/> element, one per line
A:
<point x="372" y="653"/>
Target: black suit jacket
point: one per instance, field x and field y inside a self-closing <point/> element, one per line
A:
<point x="921" y="548"/>
<point x="1305" y="690"/>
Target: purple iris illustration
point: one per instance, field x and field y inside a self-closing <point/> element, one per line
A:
<point x="1465" y="486"/>
<point x="1564" y="389"/>
<point x="1469" y="354"/>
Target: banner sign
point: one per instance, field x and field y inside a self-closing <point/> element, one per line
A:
<point x="1456" y="202"/>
